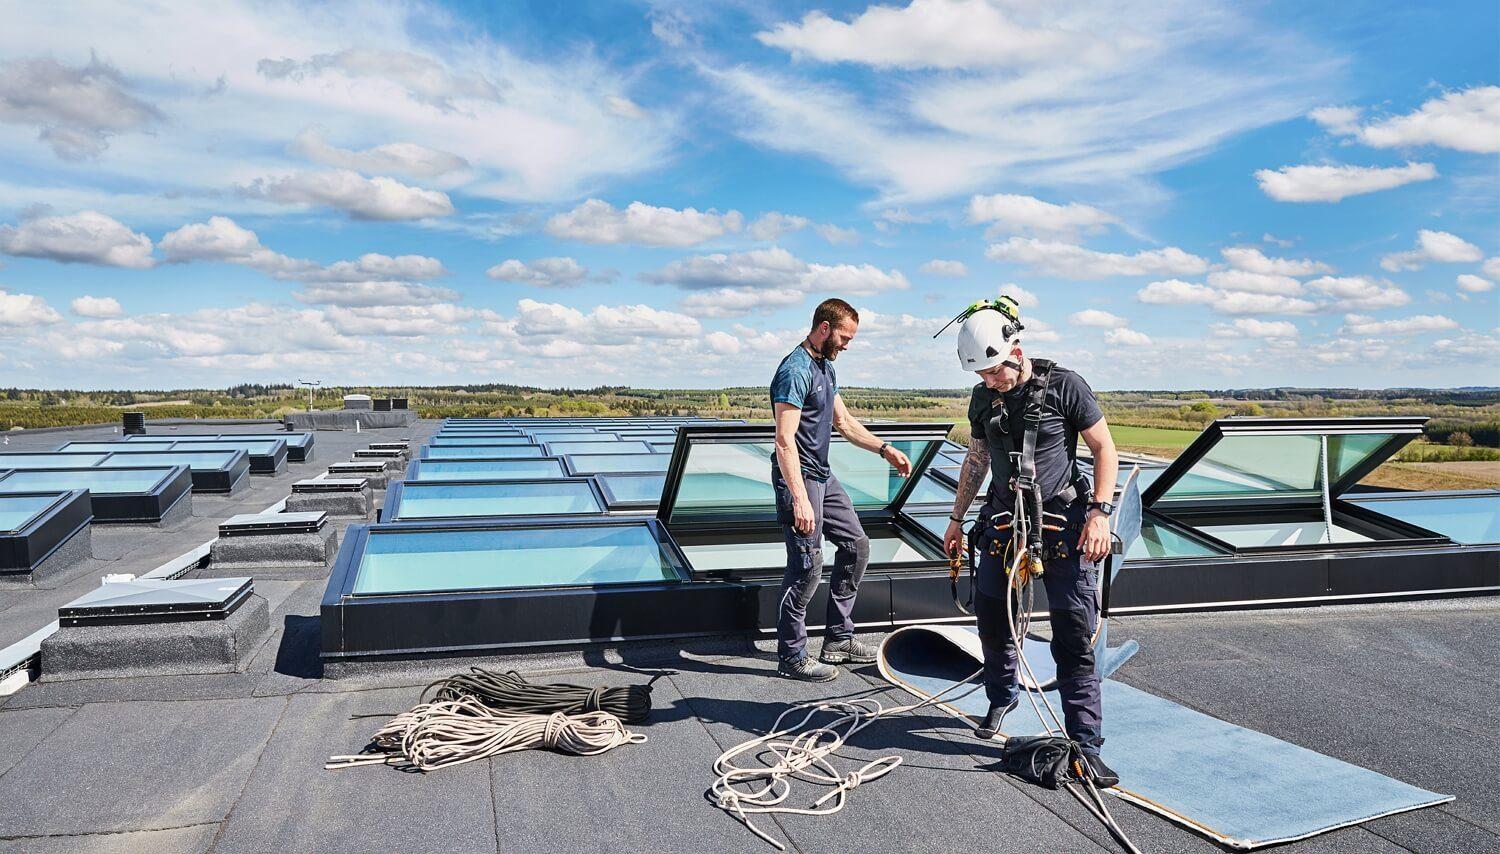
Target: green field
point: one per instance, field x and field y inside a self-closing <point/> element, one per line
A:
<point x="1158" y="439"/>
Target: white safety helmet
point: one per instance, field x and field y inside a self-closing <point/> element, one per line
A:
<point x="988" y="334"/>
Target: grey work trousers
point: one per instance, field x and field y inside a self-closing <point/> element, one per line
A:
<point x="835" y="519"/>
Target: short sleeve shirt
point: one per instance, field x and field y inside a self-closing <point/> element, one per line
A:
<point x="809" y="384"/>
<point x="1070" y="407"/>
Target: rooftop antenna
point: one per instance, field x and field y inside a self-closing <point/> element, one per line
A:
<point x="312" y="386"/>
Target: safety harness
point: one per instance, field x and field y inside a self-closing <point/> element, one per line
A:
<point x="1020" y="449"/>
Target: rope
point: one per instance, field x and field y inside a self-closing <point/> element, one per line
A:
<point x="511" y="692"/>
<point x="451" y="732"/>
<point x="806" y="754"/>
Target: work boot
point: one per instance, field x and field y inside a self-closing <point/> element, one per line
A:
<point x="994" y="719"/>
<point x="1104" y="776"/>
<point x="848" y="650"/>
<point x="807" y="670"/>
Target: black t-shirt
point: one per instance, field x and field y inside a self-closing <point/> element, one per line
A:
<point x="1070" y="408"/>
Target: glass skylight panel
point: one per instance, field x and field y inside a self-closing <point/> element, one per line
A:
<point x="445" y="441"/>
<point x="930" y="490"/>
<point x="105" y="481"/>
<point x="481" y="452"/>
<point x="43" y="461"/>
<point x="487" y="469"/>
<point x="886" y="546"/>
<point x="602" y="463"/>
<point x="16" y="511"/>
<point x="201" y="461"/>
<point x="728" y="476"/>
<point x="1254" y="535"/>
<point x="1467" y="519"/>
<point x="597" y="447"/>
<point x="249" y="446"/>
<point x="633" y="488"/>
<point x="117" y="446"/>
<point x="1253" y="465"/>
<point x="452" y="500"/>
<point x="510" y="557"/>
<point x="1159" y="541"/>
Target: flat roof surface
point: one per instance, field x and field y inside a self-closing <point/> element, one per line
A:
<point x="234" y="762"/>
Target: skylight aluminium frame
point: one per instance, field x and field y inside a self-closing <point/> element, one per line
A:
<point x="149" y="505"/>
<point x="396" y="494"/>
<point x="24" y="547"/>
<point x="415" y="467"/>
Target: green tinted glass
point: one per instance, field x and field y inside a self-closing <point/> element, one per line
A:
<point x="1253" y="465"/>
<point x="733" y="476"/>
<point x="930" y="490"/>
<point x="1347" y="452"/>
<point x="885" y="547"/>
<point x="448" y="560"/>
<point x="584" y="464"/>
<point x="481" y="452"/>
<point x="1159" y="541"/>
<point x="632" y="488"/>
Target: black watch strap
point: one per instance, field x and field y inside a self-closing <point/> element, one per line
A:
<point x="1105" y="506"/>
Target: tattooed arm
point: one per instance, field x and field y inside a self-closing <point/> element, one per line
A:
<point x="970" y="478"/>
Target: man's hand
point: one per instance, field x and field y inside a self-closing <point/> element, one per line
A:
<point x="802" y="516"/>
<point x="897" y="459"/>
<point x="1095" y="540"/>
<point x="953" y="540"/>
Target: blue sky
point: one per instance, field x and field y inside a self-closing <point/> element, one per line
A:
<point x="1182" y="194"/>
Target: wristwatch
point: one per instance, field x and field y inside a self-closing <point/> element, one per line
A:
<point x="883" y="447"/>
<point x="1102" y="506"/>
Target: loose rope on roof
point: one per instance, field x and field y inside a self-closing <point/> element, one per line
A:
<point x="511" y="692"/>
<point x="451" y="732"/>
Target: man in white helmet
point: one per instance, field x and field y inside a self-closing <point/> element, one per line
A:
<point x="1026" y="416"/>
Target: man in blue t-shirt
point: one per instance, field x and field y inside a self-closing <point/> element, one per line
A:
<point x="810" y="503"/>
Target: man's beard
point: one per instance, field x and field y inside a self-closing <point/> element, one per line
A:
<point x="828" y="349"/>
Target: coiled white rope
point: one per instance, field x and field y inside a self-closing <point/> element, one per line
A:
<point x="807" y="754"/>
<point x="452" y="732"/>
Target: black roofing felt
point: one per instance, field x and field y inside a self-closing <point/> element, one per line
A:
<point x="233" y="762"/>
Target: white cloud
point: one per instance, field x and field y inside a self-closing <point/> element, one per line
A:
<point x="1232" y="302"/>
<point x="836" y="235"/>
<point x="555" y="272"/>
<point x="1491" y="267"/>
<point x="1272" y="239"/>
<point x="1356" y="324"/>
<point x="377" y="198"/>
<point x="397" y="320"/>
<point x="772" y="225"/>
<point x="96" y="307"/>
<point x="1250" y="327"/>
<point x="949" y="34"/>
<point x="939" y="267"/>
<point x="1011" y="213"/>
<point x="1252" y="260"/>
<point x="1358" y="293"/>
<point x="1023" y="297"/>
<point x="624" y="107"/>
<point x="75" y="110"/>
<point x="737" y="302"/>
<point x="1127" y="338"/>
<point x="773" y="267"/>
<point x="404" y="158"/>
<point x="1466" y="120"/>
<point x="1068" y="261"/>
<point x="1108" y="109"/>
<point x="87" y="237"/>
<point x="424" y="78"/>
<point x="1435" y="246"/>
<point x="1255" y="283"/>
<point x="1333" y="183"/>
<point x="25" y="310"/>
<point x="1176" y="292"/>
<point x="605" y="325"/>
<point x="364" y="294"/>
<point x="221" y="239"/>
<point x="1097" y="318"/>
<point x="852" y="279"/>
<point x="597" y="221"/>
<point x="1474" y="284"/>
